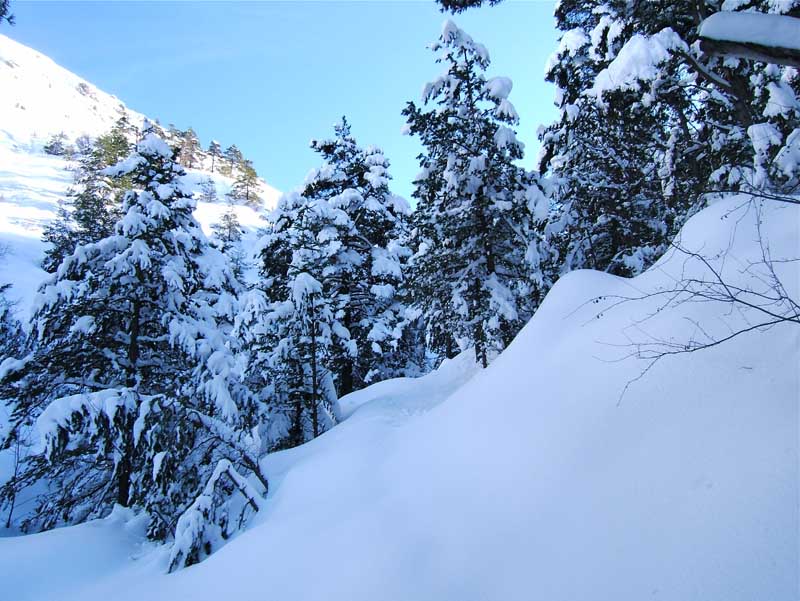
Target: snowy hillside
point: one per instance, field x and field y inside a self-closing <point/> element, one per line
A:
<point x="521" y="481"/>
<point x="40" y="99"/>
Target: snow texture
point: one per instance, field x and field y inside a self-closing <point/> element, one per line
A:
<point x="776" y="31"/>
<point x="637" y="60"/>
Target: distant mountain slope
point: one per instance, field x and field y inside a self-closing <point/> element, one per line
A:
<point x="38" y="99"/>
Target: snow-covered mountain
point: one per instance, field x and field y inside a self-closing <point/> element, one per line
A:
<point x="38" y="99"/>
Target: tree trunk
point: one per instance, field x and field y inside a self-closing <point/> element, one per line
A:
<point x="314" y="382"/>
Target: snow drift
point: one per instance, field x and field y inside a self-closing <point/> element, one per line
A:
<point x="531" y="479"/>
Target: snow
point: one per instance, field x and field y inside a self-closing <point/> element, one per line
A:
<point x="570" y="44"/>
<point x="777" y="31"/>
<point x="39" y="99"/>
<point x="637" y="60"/>
<point x="782" y="100"/>
<point x="499" y="87"/>
<point x="530" y="479"/>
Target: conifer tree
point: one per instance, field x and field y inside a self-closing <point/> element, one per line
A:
<point x="290" y="324"/>
<point x="189" y="149"/>
<point x="228" y="234"/>
<point x="649" y="125"/>
<point x="234" y="156"/>
<point x="5" y="12"/>
<point x="132" y="383"/>
<point x="245" y="187"/>
<point x="57" y="145"/>
<point x="473" y="225"/>
<point x="371" y="263"/>
<point x="215" y="152"/>
<point x="208" y="190"/>
<point x="93" y="202"/>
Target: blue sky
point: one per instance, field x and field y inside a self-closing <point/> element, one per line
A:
<point x="270" y="76"/>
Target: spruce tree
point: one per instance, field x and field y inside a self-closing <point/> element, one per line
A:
<point x="234" y="156"/>
<point x="132" y="383"/>
<point x="245" y="187"/>
<point x="650" y="125"/>
<point x="228" y="236"/>
<point x="208" y="191"/>
<point x="290" y="323"/>
<point x="473" y="226"/>
<point x="215" y="152"/>
<point x="57" y="145"/>
<point x="370" y="265"/>
<point x="93" y="202"/>
<point x="189" y="149"/>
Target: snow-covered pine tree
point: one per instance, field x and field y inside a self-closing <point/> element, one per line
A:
<point x="208" y="191"/>
<point x="234" y="156"/>
<point x="649" y="125"/>
<point x="290" y="324"/>
<point x="369" y="267"/>
<point x="93" y="202"/>
<point x="473" y="225"/>
<point x="189" y="149"/>
<point x="131" y="383"/>
<point x="5" y="12"/>
<point x="57" y="145"/>
<point x="11" y="334"/>
<point x="117" y="143"/>
<point x="228" y="236"/>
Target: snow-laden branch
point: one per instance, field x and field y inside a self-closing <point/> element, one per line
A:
<point x="754" y="36"/>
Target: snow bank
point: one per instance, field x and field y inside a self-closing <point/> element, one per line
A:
<point x="530" y="480"/>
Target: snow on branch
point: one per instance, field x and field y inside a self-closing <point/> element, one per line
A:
<point x="204" y="526"/>
<point x="755" y="36"/>
<point x="638" y="60"/>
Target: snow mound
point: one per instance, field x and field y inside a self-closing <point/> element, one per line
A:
<point x="531" y="479"/>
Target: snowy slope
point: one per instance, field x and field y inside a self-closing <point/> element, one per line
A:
<point x="38" y="98"/>
<point x="529" y="480"/>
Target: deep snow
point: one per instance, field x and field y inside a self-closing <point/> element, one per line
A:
<point x="527" y="480"/>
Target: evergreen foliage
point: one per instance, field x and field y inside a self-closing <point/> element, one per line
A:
<point x="649" y="126"/>
<point x="245" y="187"/>
<point x="208" y="191"/>
<point x="475" y="269"/>
<point x="5" y="12"/>
<point x="189" y="149"/>
<point x="215" y="152"/>
<point x="93" y="202"/>
<point x="228" y="236"/>
<point x="132" y="384"/>
<point x="57" y="145"/>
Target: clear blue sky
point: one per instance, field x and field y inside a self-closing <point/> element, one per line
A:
<point x="270" y="76"/>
